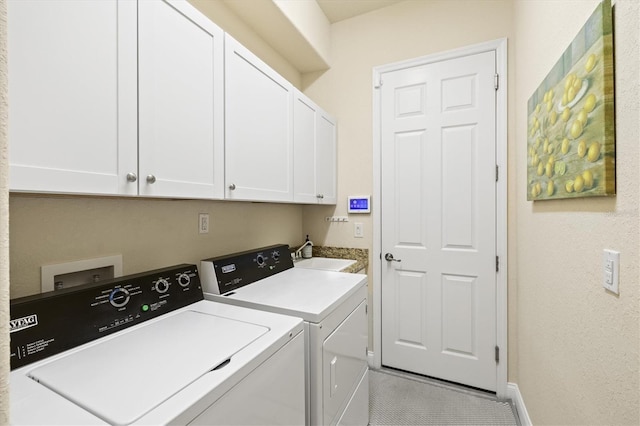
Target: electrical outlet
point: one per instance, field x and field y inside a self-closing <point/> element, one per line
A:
<point x="203" y="223"/>
<point x="611" y="271"/>
<point x="358" y="230"/>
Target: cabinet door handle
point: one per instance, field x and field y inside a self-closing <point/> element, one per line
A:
<point x="132" y="177"/>
<point x="151" y="179"/>
<point x="232" y="186"/>
<point x="320" y="196"/>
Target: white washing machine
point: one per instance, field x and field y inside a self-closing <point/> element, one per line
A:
<point x="334" y="309"/>
<point x="147" y="349"/>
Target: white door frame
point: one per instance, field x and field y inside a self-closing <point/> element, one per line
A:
<point x="500" y="47"/>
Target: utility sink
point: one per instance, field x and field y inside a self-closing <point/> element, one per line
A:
<point x="325" y="263"/>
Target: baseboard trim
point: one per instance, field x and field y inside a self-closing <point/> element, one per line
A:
<point x="513" y="392"/>
<point x="371" y="359"/>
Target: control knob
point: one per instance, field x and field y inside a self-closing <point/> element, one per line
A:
<point x="260" y="260"/>
<point x="162" y="286"/>
<point x="184" y="280"/>
<point x="119" y="297"/>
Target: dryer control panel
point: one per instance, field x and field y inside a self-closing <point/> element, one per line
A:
<point x="223" y="274"/>
<point x="49" y="323"/>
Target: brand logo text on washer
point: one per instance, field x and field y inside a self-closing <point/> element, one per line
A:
<point x="22" y="323"/>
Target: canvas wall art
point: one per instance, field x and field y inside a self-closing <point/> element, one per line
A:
<point x="571" y="132"/>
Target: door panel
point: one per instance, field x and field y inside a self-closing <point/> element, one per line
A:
<point x="458" y="195"/>
<point x="408" y="154"/>
<point x="459" y="315"/>
<point x="438" y="219"/>
<point x="412" y="296"/>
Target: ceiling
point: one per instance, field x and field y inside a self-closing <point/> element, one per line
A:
<point x="339" y="10"/>
<point x="299" y="30"/>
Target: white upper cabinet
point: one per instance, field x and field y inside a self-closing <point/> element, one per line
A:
<point x="314" y="147"/>
<point x="72" y="91"/>
<point x="326" y="168"/>
<point x="181" y="141"/>
<point x="150" y="98"/>
<point x="115" y="97"/>
<point x="258" y="129"/>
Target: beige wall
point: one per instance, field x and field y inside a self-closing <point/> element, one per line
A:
<point x="578" y="344"/>
<point x="148" y="233"/>
<point x="4" y="225"/>
<point x="407" y="30"/>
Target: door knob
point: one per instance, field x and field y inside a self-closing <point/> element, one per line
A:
<point x="232" y="186"/>
<point x="151" y="179"/>
<point x="132" y="177"/>
<point x="389" y="257"/>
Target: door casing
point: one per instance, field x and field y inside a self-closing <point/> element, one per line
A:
<point x="500" y="47"/>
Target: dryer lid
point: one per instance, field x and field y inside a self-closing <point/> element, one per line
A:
<point x="123" y="378"/>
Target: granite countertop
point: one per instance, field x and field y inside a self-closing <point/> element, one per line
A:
<point x="361" y="256"/>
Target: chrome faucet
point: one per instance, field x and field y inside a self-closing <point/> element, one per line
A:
<point x="297" y="253"/>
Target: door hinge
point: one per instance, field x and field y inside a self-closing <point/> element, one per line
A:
<point x="366" y="309"/>
<point x="496" y="81"/>
<point x="378" y="84"/>
<point x="497" y="354"/>
<point x="497" y="172"/>
<point x="497" y="263"/>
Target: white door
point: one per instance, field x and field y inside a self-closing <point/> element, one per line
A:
<point x="439" y="220"/>
<point x="180" y="102"/>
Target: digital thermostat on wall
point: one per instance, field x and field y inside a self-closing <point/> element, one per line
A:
<point x="359" y="204"/>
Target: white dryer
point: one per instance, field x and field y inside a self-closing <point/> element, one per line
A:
<point x="147" y="349"/>
<point x="334" y="309"/>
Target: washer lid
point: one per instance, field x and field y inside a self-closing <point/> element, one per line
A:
<point x="123" y="378"/>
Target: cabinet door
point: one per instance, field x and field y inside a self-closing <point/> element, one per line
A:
<point x="180" y="102"/>
<point x="258" y="138"/>
<point x="314" y="148"/>
<point x="326" y="158"/>
<point x="304" y="147"/>
<point x="72" y="85"/>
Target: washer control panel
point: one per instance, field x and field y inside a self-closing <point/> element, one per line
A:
<point x="52" y="322"/>
<point x="232" y="271"/>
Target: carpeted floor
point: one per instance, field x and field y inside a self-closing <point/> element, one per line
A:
<point x="401" y="399"/>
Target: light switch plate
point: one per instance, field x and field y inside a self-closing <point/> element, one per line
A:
<point x="611" y="270"/>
